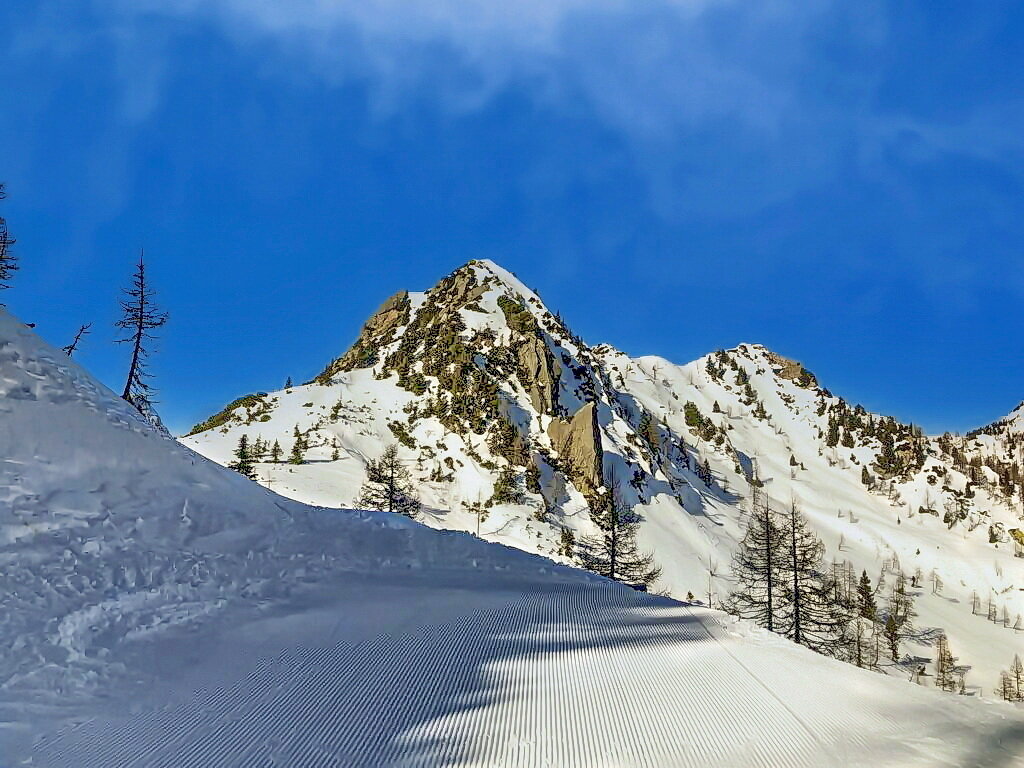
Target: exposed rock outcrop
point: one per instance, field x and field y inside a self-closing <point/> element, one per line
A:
<point x="578" y="442"/>
<point x="378" y="331"/>
<point x="794" y="371"/>
<point x="538" y="372"/>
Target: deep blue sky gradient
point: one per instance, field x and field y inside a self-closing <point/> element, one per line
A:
<point x="841" y="184"/>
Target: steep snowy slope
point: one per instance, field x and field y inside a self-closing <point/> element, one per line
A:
<point x="497" y="405"/>
<point x="159" y="610"/>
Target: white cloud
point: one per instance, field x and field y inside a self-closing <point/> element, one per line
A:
<point x="708" y="95"/>
<point x="646" y="65"/>
<point x="653" y="71"/>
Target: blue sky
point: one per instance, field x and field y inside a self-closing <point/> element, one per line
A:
<point x="839" y="181"/>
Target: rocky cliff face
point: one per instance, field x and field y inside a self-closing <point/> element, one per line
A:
<point x="578" y="441"/>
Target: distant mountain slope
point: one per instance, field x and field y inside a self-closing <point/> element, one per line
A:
<point x="495" y="402"/>
<point x="159" y="610"/>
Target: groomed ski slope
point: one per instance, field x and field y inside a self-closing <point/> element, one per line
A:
<point x="556" y="675"/>
<point x="159" y="610"/>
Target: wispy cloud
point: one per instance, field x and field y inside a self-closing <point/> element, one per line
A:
<point x="713" y="96"/>
<point x="647" y="66"/>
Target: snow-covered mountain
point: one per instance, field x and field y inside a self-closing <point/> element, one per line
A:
<point x="497" y="405"/>
<point x="159" y="610"/>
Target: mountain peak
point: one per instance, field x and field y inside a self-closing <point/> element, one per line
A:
<point x="480" y="297"/>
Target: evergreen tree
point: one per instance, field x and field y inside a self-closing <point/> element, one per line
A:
<point x="861" y="639"/>
<point x="388" y="486"/>
<point x="140" y="316"/>
<point x="705" y="473"/>
<point x="532" y="477"/>
<point x="567" y="543"/>
<point x="275" y="452"/>
<point x="83" y="330"/>
<point x="1017" y="674"/>
<point x="298" y="447"/>
<point x="833" y="432"/>
<point x="899" y="617"/>
<point x="866" y="598"/>
<point x="335" y="450"/>
<point x="649" y="432"/>
<point x="8" y="261"/>
<point x="945" y="677"/>
<point x="613" y="552"/>
<point x="288" y="383"/>
<point x="901" y="605"/>
<point x="812" y="617"/>
<point x="757" y="568"/>
<point x="243" y="462"/>
<point x="1006" y="690"/>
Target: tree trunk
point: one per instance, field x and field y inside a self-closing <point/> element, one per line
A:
<point x="796" y="576"/>
<point x="771" y="570"/>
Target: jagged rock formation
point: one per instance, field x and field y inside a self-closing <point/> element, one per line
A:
<point x="578" y="442"/>
<point x="378" y="331"/>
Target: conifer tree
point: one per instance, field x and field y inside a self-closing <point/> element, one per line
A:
<point x="812" y="618"/>
<point x="705" y="473"/>
<point x="288" y="383"/>
<point x="757" y="568"/>
<point x="866" y="598"/>
<point x="1006" y="690"/>
<point x="1017" y="674"/>
<point x="388" y="486"/>
<point x="298" y="447"/>
<point x="833" y="432"/>
<point x="8" y="261"/>
<point x="140" y="317"/>
<point x="243" y="462"/>
<point x="613" y="552"/>
<point x="532" y="477"/>
<point x="861" y="634"/>
<point x="567" y="543"/>
<point x="945" y="677"/>
<point x="275" y="452"/>
<point x="901" y="605"/>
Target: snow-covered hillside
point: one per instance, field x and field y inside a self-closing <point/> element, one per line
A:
<point x="159" y="610"/>
<point x="497" y="405"/>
